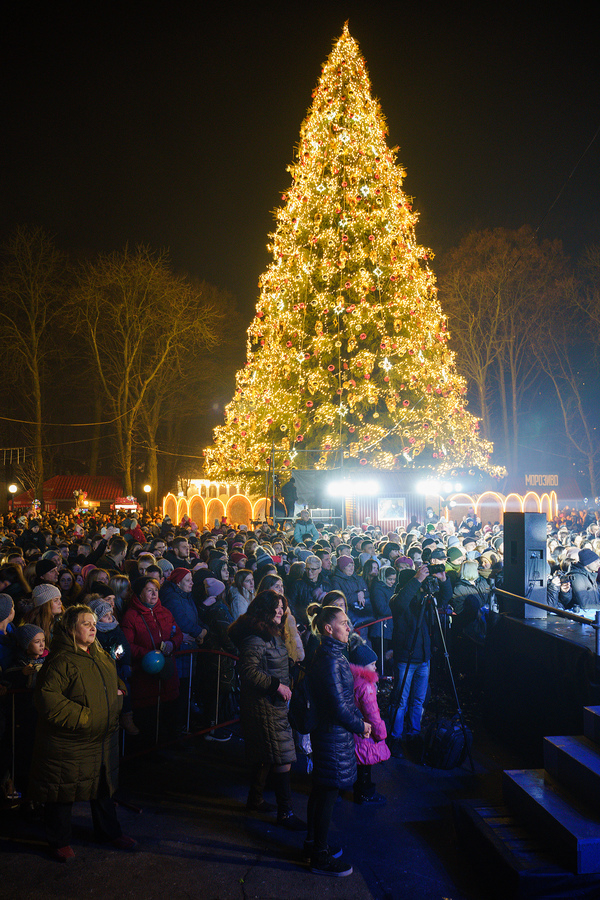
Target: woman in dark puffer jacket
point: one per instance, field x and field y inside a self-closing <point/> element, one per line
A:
<point x="338" y="720"/>
<point x="264" y="670"/>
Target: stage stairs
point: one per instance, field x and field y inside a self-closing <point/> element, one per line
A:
<point x="544" y="840"/>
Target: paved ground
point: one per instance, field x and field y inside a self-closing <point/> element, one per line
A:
<point x="197" y="841"/>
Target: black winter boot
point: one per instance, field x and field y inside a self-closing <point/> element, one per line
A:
<point x="255" y="802"/>
<point x="283" y="793"/>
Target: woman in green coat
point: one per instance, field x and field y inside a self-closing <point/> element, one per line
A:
<point x="76" y="754"/>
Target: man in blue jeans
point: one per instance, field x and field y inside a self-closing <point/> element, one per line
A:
<point x="412" y="627"/>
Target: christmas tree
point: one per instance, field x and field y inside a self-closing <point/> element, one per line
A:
<point x="348" y="351"/>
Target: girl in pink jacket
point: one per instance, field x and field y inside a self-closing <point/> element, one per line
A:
<point x="363" y="662"/>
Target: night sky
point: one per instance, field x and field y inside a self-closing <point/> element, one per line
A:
<point x="172" y="124"/>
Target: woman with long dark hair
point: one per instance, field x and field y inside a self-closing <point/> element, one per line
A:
<point x="264" y="670"/>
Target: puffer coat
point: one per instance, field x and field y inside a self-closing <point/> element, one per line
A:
<point x="146" y="629"/>
<point x="332" y="689"/>
<point x="350" y="586"/>
<point x="264" y="665"/>
<point x="373" y="749"/>
<point x="78" y="720"/>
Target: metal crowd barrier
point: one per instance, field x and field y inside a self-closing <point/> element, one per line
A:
<point x="193" y="652"/>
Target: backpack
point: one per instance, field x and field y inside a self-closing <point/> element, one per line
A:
<point x="444" y="745"/>
<point x="302" y="712"/>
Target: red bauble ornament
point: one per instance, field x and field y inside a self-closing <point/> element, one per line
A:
<point x="309" y="403"/>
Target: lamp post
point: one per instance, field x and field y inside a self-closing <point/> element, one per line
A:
<point x="12" y="490"/>
<point x="147" y="489"/>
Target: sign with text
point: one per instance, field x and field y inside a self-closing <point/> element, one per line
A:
<point x="533" y="481"/>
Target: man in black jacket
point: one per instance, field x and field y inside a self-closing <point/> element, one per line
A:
<point x="410" y="626"/>
<point x="585" y="590"/>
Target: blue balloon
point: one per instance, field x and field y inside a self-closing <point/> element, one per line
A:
<point x="153" y="662"/>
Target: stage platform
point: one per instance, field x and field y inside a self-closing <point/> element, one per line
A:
<point x="538" y="676"/>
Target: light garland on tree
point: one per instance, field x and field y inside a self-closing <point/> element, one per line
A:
<point x="348" y="351"/>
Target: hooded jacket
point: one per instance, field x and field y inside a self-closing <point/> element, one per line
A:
<point x="78" y="719"/>
<point x="263" y="665"/>
<point x="373" y="749"/>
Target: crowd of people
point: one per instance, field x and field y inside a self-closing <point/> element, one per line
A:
<point x="104" y="605"/>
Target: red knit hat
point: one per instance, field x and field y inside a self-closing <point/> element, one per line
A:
<point x="177" y="575"/>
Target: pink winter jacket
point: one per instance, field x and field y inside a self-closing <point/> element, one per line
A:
<point x="372" y="749"/>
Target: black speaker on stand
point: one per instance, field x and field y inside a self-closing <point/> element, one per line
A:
<point x="525" y="563"/>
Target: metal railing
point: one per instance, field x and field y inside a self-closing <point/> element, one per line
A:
<point x="561" y="613"/>
<point x="12" y="694"/>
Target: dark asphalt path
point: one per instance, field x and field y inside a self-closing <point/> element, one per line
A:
<point x="196" y="840"/>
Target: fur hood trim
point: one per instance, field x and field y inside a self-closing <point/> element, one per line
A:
<point x="366" y="674"/>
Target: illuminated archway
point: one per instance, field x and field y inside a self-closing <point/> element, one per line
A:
<point x="182" y="509"/>
<point x="462" y="504"/>
<point x="513" y="503"/>
<point x="531" y="502"/>
<point x="490" y="507"/>
<point x="546" y="505"/>
<point x="239" y="510"/>
<point x="214" y="512"/>
<point x="170" y="507"/>
<point x="198" y="510"/>
<point x="259" y="510"/>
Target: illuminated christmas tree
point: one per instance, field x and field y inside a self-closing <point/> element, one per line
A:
<point x="348" y="351"/>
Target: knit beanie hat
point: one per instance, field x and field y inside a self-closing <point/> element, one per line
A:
<point x="177" y="575"/>
<point x="214" y="587"/>
<point x="100" y="608"/>
<point x="6" y="606"/>
<point x="454" y="554"/>
<point x="236" y="556"/>
<point x="344" y="561"/>
<point x="166" y="566"/>
<point x="587" y="556"/>
<point x="49" y="554"/>
<point x="43" y="566"/>
<point x="438" y="554"/>
<point x="26" y="633"/>
<point x="362" y="655"/>
<point x="44" y="593"/>
<point x="453" y="540"/>
<point x="404" y="561"/>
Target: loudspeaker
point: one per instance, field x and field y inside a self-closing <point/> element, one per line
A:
<point x="525" y="563"/>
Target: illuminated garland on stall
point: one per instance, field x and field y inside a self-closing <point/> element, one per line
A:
<point x="348" y="351"/>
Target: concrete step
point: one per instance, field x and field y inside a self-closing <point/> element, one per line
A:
<point x="557" y="816"/>
<point x="513" y="862"/>
<point x="574" y="761"/>
<point x="591" y="723"/>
